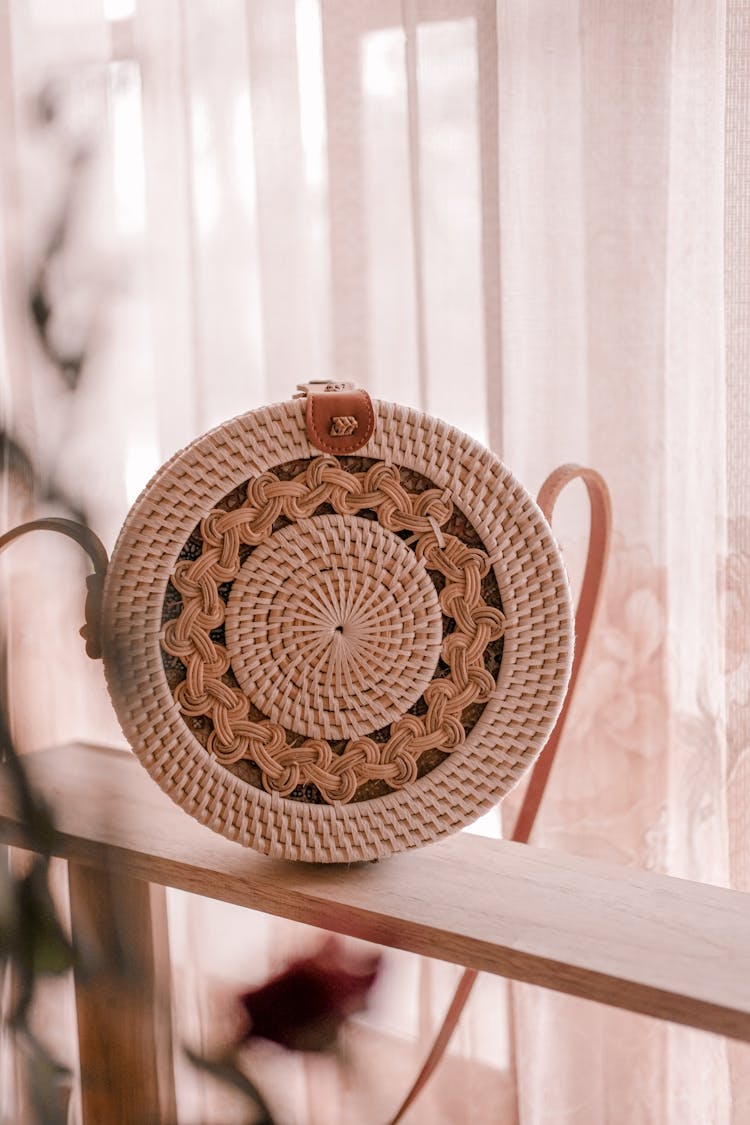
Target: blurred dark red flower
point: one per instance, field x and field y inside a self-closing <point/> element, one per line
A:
<point x="304" y="1007"/>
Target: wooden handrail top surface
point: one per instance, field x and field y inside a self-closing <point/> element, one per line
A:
<point x="634" y="939"/>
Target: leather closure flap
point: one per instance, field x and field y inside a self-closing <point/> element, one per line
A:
<point x="339" y="417"/>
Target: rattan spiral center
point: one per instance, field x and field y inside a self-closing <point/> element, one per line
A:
<point x="333" y="627"/>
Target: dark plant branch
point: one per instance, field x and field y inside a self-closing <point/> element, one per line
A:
<point x="32" y="939"/>
<point x="225" y="1070"/>
<point x="41" y="301"/>
<point x="19" y="468"/>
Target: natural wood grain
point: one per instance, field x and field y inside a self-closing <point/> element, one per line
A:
<point x="124" y="1026"/>
<point x="634" y="939"/>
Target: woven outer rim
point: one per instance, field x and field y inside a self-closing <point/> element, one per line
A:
<point x="513" y="727"/>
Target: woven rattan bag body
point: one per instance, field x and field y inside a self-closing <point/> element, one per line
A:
<point x="332" y="628"/>
<point x="335" y="628"/>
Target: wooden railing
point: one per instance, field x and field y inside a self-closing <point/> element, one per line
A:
<point x="634" y="939"/>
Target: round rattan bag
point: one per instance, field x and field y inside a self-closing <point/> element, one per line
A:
<point x="334" y="628"/>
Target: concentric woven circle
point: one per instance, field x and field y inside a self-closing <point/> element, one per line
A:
<point x="513" y="709"/>
<point x="333" y="627"/>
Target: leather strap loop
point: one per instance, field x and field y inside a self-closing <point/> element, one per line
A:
<point x="94" y="548"/>
<point x="591" y="588"/>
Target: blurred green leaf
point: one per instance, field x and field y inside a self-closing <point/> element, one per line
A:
<point x="8" y="910"/>
<point x="32" y="939"/>
<point x="43" y="944"/>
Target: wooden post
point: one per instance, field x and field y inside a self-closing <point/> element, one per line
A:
<point x="123" y="1005"/>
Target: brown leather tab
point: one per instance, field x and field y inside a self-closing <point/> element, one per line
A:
<point x="339" y="420"/>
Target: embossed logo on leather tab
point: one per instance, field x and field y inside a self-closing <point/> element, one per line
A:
<point x="342" y="426"/>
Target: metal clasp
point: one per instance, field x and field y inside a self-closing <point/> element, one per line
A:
<point x="322" y="386"/>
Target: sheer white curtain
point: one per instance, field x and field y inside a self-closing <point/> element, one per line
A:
<point x="526" y="217"/>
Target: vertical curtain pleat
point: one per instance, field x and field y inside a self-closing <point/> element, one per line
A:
<point x="542" y="228"/>
<point x="341" y="64"/>
<point x="169" y="208"/>
<point x="282" y="219"/>
<point x="411" y="57"/>
<point x="488" y="68"/>
<point x="736" y="579"/>
<point x="694" y="509"/>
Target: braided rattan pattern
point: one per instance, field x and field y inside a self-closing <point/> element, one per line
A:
<point x="203" y="692"/>
<point x="516" y="719"/>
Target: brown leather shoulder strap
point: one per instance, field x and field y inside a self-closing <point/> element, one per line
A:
<point x="596" y="561"/>
<point x="591" y="588"/>
<point x="94" y="548"/>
